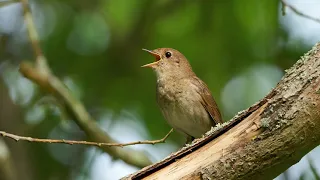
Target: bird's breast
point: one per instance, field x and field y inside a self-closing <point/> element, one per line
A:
<point x="181" y="106"/>
<point x="168" y="91"/>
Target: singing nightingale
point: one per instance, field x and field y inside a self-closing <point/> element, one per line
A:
<point x="184" y="99"/>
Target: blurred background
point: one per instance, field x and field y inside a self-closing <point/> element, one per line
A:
<point x="239" y="48"/>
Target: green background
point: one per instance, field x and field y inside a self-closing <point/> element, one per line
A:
<point x="239" y="48"/>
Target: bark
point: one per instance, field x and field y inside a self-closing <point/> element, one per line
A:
<point x="260" y="142"/>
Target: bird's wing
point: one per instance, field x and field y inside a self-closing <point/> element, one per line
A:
<point x="207" y="100"/>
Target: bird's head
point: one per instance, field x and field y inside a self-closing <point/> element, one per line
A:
<point x="169" y="62"/>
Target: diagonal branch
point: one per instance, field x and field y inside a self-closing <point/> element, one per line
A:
<point x="295" y="10"/>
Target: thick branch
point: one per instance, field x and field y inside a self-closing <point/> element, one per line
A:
<point x="262" y="141"/>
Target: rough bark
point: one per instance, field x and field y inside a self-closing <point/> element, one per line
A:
<point x="260" y="142"/>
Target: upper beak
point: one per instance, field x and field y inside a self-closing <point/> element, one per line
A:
<point x="156" y="55"/>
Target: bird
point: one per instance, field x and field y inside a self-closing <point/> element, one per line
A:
<point x="184" y="99"/>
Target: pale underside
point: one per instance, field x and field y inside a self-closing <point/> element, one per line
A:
<point x="184" y="110"/>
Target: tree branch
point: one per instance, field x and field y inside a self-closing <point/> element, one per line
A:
<point x="40" y="74"/>
<point x="295" y="10"/>
<point x="71" y="142"/>
<point x="262" y="141"/>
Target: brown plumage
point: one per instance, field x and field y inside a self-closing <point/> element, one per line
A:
<point x="185" y="100"/>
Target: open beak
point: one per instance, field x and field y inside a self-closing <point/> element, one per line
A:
<point x="156" y="55"/>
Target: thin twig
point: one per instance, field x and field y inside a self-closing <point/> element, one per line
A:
<point x="41" y="61"/>
<point x="295" y="10"/>
<point x="71" y="142"/>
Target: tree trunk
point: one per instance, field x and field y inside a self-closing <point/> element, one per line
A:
<point x="262" y="141"/>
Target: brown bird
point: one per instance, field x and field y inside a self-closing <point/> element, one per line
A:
<point x="185" y="101"/>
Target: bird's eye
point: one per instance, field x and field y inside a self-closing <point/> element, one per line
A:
<point x="168" y="54"/>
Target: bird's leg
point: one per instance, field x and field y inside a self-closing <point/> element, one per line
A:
<point x="189" y="139"/>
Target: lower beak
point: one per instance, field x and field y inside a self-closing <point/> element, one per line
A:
<point x="156" y="55"/>
<point x="150" y="64"/>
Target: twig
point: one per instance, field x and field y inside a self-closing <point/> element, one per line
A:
<point x="41" y="74"/>
<point x="71" y="142"/>
<point x="295" y="10"/>
<point x="41" y="60"/>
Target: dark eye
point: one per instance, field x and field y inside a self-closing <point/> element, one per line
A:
<point x="168" y="54"/>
